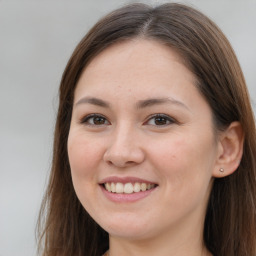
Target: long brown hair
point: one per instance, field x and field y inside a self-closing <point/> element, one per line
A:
<point x="65" y="228"/>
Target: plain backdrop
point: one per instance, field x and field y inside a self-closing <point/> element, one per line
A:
<point x="36" y="41"/>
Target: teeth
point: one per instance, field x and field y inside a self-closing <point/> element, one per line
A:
<point x="108" y="186"/>
<point x="143" y="186"/>
<point x="136" y="187"/>
<point x="113" y="187"/>
<point x="119" y="188"/>
<point x="127" y="188"/>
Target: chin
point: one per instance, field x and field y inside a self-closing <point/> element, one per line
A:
<point x="126" y="228"/>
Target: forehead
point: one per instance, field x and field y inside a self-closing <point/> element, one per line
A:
<point x="137" y="63"/>
<point x="139" y="51"/>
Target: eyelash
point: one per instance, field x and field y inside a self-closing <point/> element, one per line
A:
<point x="164" y="118"/>
<point x="86" y="119"/>
<point x="167" y="118"/>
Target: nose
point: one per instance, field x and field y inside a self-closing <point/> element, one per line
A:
<point x="124" y="148"/>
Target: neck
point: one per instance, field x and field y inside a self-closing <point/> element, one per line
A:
<point x="180" y="238"/>
<point x="173" y="245"/>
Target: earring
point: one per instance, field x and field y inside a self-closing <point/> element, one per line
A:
<point x="221" y="170"/>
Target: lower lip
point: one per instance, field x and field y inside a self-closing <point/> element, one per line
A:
<point x="126" y="198"/>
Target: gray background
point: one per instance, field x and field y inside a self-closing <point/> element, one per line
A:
<point x="36" y="40"/>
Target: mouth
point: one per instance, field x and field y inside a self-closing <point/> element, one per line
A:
<point x="128" y="188"/>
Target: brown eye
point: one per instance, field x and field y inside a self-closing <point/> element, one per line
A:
<point x="98" y="120"/>
<point x="95" y="120"/>
<point x="160" y="120"/>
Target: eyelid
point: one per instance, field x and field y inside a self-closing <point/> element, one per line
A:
<point x="167" y="117"/>
<point x="84" y="120"/>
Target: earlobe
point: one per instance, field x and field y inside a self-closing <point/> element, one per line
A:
<point x="230" y="150"/>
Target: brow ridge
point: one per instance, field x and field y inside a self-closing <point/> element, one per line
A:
<point x="158" y="101"/>
<point x="139" y="105"/>
<point x="93" y="101"/>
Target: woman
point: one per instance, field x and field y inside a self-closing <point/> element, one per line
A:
<point x="154" y="150"/>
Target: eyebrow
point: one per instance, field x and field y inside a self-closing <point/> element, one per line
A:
<point x="159" y="101"/>
<point x="93" y="101"/>
<point x="139" y="105"/>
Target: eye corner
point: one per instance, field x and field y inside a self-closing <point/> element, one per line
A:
<point x="94" y="120"/>
<point x="160" y="120"/>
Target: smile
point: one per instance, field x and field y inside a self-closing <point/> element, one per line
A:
<point x="128" y="188"/>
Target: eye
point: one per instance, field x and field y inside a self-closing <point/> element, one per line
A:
<point x="160" y="120"/>
<point x="95" y="119"/>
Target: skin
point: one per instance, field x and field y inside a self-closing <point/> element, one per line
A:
<point x="180" y="156"/>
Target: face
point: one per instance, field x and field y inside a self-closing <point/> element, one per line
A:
<point x="141" y="145"/>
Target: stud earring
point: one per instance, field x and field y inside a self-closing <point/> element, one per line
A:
<point x="221" y="170"/>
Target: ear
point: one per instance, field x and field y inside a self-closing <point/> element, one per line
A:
<point x="230" y="150"/>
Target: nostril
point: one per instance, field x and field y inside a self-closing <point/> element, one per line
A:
<point x="129" y="162"/>
<point x="120" y="163"/>
<point x="109" y="162"/>
<point x="123" y="157"/>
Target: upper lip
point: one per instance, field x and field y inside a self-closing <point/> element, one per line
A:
<point x="116" y="179"/>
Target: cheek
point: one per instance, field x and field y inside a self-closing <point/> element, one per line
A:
<point x="172" y="154"/>
<point x="185" y="172"/>
<point x="184" y="162"/>
<point x="84" y="155"/>
<point x="84" y="158"/>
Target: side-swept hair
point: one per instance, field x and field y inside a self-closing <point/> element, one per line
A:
<point x="65" y="228"/>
